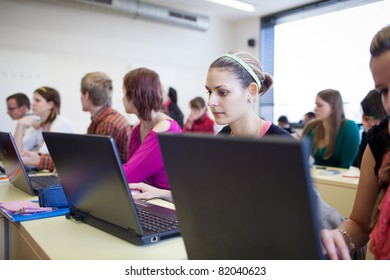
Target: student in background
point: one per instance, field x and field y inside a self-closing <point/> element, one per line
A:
<point x="233" y="82"/>
<point x="373" y="114"/>
<point x="308" y="117"/>
<point x="142" y="96"/>
<point x="18" y="106"/>
<point x="96" y="95"/>
<point x="172" y="108"/>
<point x="199" y="121"/>
<point x="334" y="139"/>
<point x="46" y="109"/>
<point x="371" y="211"/>
<point x="285" y="124"/>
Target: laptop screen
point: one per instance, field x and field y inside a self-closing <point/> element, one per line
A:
<point x="92" y="178"/>
<point x="12" y="163"/>
<point x="91" y="173"/>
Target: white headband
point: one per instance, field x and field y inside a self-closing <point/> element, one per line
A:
<point x="247" y="68"/>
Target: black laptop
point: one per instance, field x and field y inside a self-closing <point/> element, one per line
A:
<point x="241" y="198"/>
<point x="91" y="174"/>
<point x="16" y="171"/>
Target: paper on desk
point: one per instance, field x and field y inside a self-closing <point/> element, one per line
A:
<point x="19" y="211"/>
<point x="23" y="207"/>
<point x="353" y="172"/>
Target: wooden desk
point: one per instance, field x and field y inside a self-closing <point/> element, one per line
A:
<point x="337" y="190"/>
<point x="62" y="239"/>
<point x="8" y="193"/>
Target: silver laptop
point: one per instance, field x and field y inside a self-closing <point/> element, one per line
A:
<point x="92" y="177"/>
<point x="240" y="198"/>
<point x="17" y="172"/>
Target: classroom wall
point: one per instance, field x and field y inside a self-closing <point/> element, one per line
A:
<point x="49" y="45"/>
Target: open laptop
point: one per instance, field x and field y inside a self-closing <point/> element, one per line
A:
<point x="17" y="172"/>
<point x="92" y="177"/>
<point x="240" y="198"/>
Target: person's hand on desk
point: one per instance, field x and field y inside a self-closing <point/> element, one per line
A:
<point x="146" y="192"/>
<point x="334" y="245"/>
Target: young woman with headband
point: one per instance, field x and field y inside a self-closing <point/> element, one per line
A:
<point x="233" y="82"/>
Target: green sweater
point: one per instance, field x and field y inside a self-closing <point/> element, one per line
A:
<point x="346" y="149"/>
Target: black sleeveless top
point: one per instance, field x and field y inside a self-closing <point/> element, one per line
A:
<point x="272" y="130"/>
<point x="378" y="139"/>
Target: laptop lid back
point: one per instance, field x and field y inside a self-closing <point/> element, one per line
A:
<point x="239" y="198"/>
<point x="12" y="163"/>
<point x="91" y="174"/>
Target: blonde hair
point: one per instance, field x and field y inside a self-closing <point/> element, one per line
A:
<point x="99" y="87"/>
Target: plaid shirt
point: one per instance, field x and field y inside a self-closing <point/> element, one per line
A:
<point x="107" y="121"/>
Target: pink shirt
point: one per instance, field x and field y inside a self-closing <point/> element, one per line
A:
<point x="145" y="162"/>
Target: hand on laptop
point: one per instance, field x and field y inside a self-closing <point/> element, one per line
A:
<point x="147" y="192"/>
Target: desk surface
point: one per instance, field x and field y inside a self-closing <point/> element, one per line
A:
<point x="336" y="179"/>
<point x="60" y="238"/>
<point x="11" y="193"/>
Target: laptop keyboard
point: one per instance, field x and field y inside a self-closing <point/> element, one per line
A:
<point x="156" y="224"/>
<point x="44" y="181"/>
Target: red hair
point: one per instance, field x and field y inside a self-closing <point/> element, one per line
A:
<point x="144" y="89"/>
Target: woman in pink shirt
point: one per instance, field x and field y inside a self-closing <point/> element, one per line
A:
<point x="142" y="96"/>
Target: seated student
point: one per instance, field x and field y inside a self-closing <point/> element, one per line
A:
<point x="172" y="108"/>
<point x="18" y="106"/>
<point x="233" y="82"/>
<point x="373" y="114"/>
<point x="370" y="216"/>
<point x="96" y="94"/>
<point x="308" y="117"/>
<point x="142" y="96"/>
<point x="334" y="139"/>
<point x="199" y="121"/>
<point x="285" y="124"/>
<point x="46" y="105"/>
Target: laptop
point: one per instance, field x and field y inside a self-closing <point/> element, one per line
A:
<point x="17" y="172"/>
<point x="96" y="188"/>
<point x="241" y="198"/>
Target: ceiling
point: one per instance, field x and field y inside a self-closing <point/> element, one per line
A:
<point x="202" y="7"/>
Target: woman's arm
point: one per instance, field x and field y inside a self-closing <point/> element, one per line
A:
<point x="23" y="123"/>
<point x="356" y="227"/>
<point x="147" y="192"/>
<point x="147" y="160"/>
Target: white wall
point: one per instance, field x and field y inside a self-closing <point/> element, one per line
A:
<point x="49" y="45"/>
<point x="244" y="30"/>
